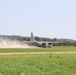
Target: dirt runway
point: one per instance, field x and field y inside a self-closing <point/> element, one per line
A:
<point x="29" y="53"/>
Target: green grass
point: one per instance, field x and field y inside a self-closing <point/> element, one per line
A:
<point x="49" y="64"/>
<point x="53" y="49"/>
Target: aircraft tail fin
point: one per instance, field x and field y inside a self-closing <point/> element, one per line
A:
<point x="32" y="39"/>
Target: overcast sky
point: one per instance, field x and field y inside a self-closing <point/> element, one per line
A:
<point x="45" y="18"/>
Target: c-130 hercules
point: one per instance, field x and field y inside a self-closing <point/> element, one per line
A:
<point x="45" y="44"/>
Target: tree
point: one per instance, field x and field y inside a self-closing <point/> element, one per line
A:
<point x="55" y="39"/>
<point x="37" y="38"/>
<point x="75" y="43"/>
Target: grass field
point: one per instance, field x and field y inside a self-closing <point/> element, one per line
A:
<point x="41" y="64"/>
<point x="48" y="64"/>
<point x="53" y="49"/>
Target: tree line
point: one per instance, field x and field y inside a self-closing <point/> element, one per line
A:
<point x="63" y="42"/>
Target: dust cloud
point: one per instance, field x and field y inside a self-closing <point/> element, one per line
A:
<point x="8" y="43"/>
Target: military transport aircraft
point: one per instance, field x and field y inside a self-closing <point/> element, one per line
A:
<point x="44" y="44"/>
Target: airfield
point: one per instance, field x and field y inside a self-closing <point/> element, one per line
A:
<point x="58" y="60"/>
<point x="53" y="50"/>
<point x="20" y="58"/>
